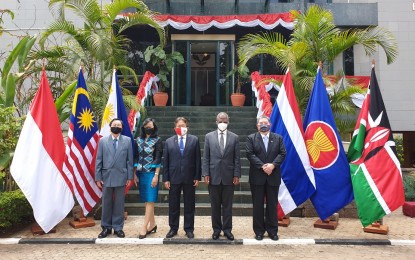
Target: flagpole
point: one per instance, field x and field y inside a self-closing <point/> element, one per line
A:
<point x="376" y="227"/>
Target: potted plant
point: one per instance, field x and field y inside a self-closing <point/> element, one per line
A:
<point x="409" y="189"/>
<point x="165" y="63"/>
<point x="242" y="76"/>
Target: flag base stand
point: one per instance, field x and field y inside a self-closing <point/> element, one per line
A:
<point x="377" y="228"/>
<point x="284" y="222"/>
<point x="37" y="230"/>
<point x="82" y="223"/>
<point x="330" y="223"/>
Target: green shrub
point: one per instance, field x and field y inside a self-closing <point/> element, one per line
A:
<point x="14" y="209"/>
<point x="409" y="187"/>
<point x="399" y="149"/>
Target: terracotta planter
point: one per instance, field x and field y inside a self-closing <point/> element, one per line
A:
<point x="238" y="99"/>
<point x="160" y="99"/>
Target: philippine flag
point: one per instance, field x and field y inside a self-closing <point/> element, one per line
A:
<point x="297" y="177"/>
<point x="38" y="159"/>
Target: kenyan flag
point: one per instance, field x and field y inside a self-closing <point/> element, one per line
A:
<point x="374" y="167"/>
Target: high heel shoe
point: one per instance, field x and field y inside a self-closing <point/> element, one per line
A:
<point x="153" y="230"/>
<point x="142" y="236"/>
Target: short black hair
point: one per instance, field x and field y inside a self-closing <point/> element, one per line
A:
<point x="145" y="122"/>
<point x="181" y="118"/>
<point x="119" y="119"/>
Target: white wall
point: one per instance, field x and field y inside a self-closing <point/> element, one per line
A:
<point x="30" y="17"/>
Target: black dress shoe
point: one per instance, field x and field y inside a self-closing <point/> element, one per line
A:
<point x="259" y="237"/>
<point x="229" y="235"/>
<point x="105" y="232"/>
<point x="142" y="236"/>
<point x="119" y="233"/>
<point x="171" y="233"/>
<point x="215" y="236"/>
<point x="153" y="230"/>
<point x="190" y="234"/>
<point x="274" y="237"/>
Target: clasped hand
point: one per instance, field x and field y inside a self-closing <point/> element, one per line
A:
<point x="268" y="168"/>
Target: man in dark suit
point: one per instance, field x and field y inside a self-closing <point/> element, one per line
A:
<point x="221" y="170"/>
<point x="113" y="171"/>
<point x="182" y="171"/>
<point x="265" y="152"/>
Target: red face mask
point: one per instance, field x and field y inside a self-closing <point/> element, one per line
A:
<point x="180" y="130"/>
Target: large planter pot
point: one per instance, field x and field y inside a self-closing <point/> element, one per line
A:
<point x="238" y="99"/>
<point x="160" y="99"/>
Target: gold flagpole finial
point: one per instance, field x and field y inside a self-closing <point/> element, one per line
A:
<point x="43" y="63"/>
<point x="373" y="63"/>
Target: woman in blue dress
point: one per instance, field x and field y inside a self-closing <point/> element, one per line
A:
<point x="150" y="150"/>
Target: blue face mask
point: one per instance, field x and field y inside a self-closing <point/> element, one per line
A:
<point x="264" y="128"/>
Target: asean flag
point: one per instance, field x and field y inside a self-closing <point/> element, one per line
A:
<point x="327" y="157"/>
<point x="38" y="159"/>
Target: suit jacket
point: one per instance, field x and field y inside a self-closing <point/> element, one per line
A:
<point x="257" y="156"/>
<point x="221" y="167"/>
<point x="182" y="169"/>
<point x="114" y="168"/>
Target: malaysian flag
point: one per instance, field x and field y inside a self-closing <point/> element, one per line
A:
<point x="81" y="144"/>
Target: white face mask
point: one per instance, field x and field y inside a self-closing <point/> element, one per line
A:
<point x="222" y="126"/>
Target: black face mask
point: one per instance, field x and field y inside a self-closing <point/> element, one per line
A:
<point x="116" y="130"/>
<point x="149" y="131"/>
<point x="264" y="128"/>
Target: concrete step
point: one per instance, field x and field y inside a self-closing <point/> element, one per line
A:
<point x="202" y="196"/>
<point x="202" y="209"/>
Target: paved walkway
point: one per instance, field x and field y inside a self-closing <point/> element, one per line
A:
<point x="300" y="231"/>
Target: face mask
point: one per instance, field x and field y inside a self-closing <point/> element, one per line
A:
<point x="149" y="131"/>
<point x="222" y="126"/>
<point x="116" y="130"/>
<point x="264" y="128"/>
<point x="180" y="130"/>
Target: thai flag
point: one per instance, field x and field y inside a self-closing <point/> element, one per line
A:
<point x="297" y="177"/>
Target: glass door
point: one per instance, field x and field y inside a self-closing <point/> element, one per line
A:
<point x="201" y="80"/>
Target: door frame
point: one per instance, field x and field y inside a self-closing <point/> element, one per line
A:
<point x="188" y="38"/>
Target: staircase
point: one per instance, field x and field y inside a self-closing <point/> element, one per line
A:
<point x="202" y="120"/>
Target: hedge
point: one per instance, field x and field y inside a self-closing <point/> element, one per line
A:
<point x="14" y="209"/>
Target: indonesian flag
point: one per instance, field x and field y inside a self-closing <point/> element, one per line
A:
<point x="375" y="169"/>
<point x="38" y="159"/>
<point x="297" y="177"/>
<point x="149" y="82"/>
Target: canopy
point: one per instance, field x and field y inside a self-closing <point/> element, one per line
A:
<point x="202" y="23"/>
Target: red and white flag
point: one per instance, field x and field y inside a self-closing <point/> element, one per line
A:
<point x="38" y="159"/>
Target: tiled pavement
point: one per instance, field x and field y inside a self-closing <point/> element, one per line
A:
<point x="300" y="231"/>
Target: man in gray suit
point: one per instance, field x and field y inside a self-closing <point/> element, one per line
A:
<point x="221" y="170"/>
<point x="113" y="171"/>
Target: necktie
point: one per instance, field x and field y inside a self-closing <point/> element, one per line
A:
<point x="181" y="145"/>
<point x="222" y="143"/>
<point x="115" y="144"/>
<point x="265" y="138"/>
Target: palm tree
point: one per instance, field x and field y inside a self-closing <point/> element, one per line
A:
<point x="315" y="38"/>
<point x="98" y="46"/>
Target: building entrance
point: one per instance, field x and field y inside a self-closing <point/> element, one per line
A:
<point x="201" y="80"/>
